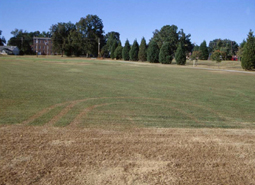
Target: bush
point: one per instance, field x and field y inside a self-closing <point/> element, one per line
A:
<point x="196" y="55"/>
<point x="165" y="54"/>
<point x="153" y="52"/>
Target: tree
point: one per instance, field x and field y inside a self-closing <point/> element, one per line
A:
<point x="114" y="46"/>
<point x="196" y="48"/>
<point x="2" y="39"/>
<point x="118" y="51"/>
<point x="196" y="55"/>
<point x="60" y="33"/>
<point x="204" y="51"/>
<point x="134" y="51"/>
<point x="142" y="55"/>
<point x="110" y="37"/>
<point x="185" y="40"/>
<point x="165" y="54"/>
<point x="180" y="55"/>
<point x="228" y="46"/>
<point x="167" y="34"/>
<point x="91" y="29"/>
<point x="217" y="56"/>
<point x="125" y="51"/>
<point x="239" y="53"/>
<point x="23" y="40"/>
<point x="153" y="52"/>
<point x="248" y="60"/>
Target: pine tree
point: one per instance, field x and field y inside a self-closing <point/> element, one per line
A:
<point x="180" y="55"/>
<point x="204" y="51"/>
<point x="114" y="46"/>
<point x="165" y="54"/>
<point x="142" y="55"/>
<point x="125" y="51"/>
<point x="118" y="51"/>
<point x="248" y="59"/>
<point x="134" y="51"/>
<point x="153" y="52"/>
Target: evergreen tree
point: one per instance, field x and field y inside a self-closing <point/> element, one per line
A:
<point x="118" y="51"/>
<point x="248" y="59"/>
<point x="180" y="55"/>
<point x="165" y="54"/>
<point x="125" y="51"/>
<point x="114" y="46"/>
<point x="134" y="51"/>
<point x="153" y="52"/>
<point x="204" y="51"/>
<point x="142" y="55"/>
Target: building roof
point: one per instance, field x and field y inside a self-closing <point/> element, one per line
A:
<point x="44" y="38"/>
<point x="11" y="48"/>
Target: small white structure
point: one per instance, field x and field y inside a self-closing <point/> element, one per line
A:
<point x="10" y="50"/>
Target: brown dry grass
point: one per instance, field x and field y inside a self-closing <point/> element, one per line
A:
<point x="72" y="155"/>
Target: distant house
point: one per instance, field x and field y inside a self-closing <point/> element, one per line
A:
<point x="9" y="50"/>
<point x="42" y="45"/>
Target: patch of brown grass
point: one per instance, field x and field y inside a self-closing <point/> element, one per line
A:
<point x="52" y="155"/>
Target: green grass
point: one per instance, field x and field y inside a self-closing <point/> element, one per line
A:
<point x="114" y="94"/>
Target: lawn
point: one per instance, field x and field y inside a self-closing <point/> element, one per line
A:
<point x="98" y="93"/>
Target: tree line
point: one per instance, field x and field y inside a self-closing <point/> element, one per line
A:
<point x="87" y="38"/>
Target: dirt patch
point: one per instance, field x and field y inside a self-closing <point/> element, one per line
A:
<point x="72" y="155"/>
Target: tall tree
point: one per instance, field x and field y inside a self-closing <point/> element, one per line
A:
<point x="134" y="51"/>
<point x="167" y="34"/>
<point x="2" y="39"/>
<point x="60" y="33"/>
<point x="248" y="60"/>
<point x="125" y="51"/>
<point x="153" y="52"/>
<point x="165" y="54"/>
<point x="23" y="40"/>
<point x="239" y="53"/>
<point x="204" y="51"/>
<point x="110" y="37"/>
<point x="142" y="55"/>
<point x="185" y="40"/>
<point x="91" y="29"/>
<point x="118" y="51"/>
<point x="180" y="55"/>
<point x="114" y="46"/>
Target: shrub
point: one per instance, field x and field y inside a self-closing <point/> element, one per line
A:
<point x="118" y="52"/>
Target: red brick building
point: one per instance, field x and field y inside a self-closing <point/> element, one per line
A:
<point x="42" y="45"/>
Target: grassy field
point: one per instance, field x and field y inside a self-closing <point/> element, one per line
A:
<point x="98" y="93"/>
<point x="78" y="121"/>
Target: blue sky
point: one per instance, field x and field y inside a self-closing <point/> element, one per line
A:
<point x="134" y="19"/>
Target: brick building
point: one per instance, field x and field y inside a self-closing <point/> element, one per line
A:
<point x="42" y="45"/>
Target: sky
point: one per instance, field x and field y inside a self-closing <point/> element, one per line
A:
<point x="133" y="19"/>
